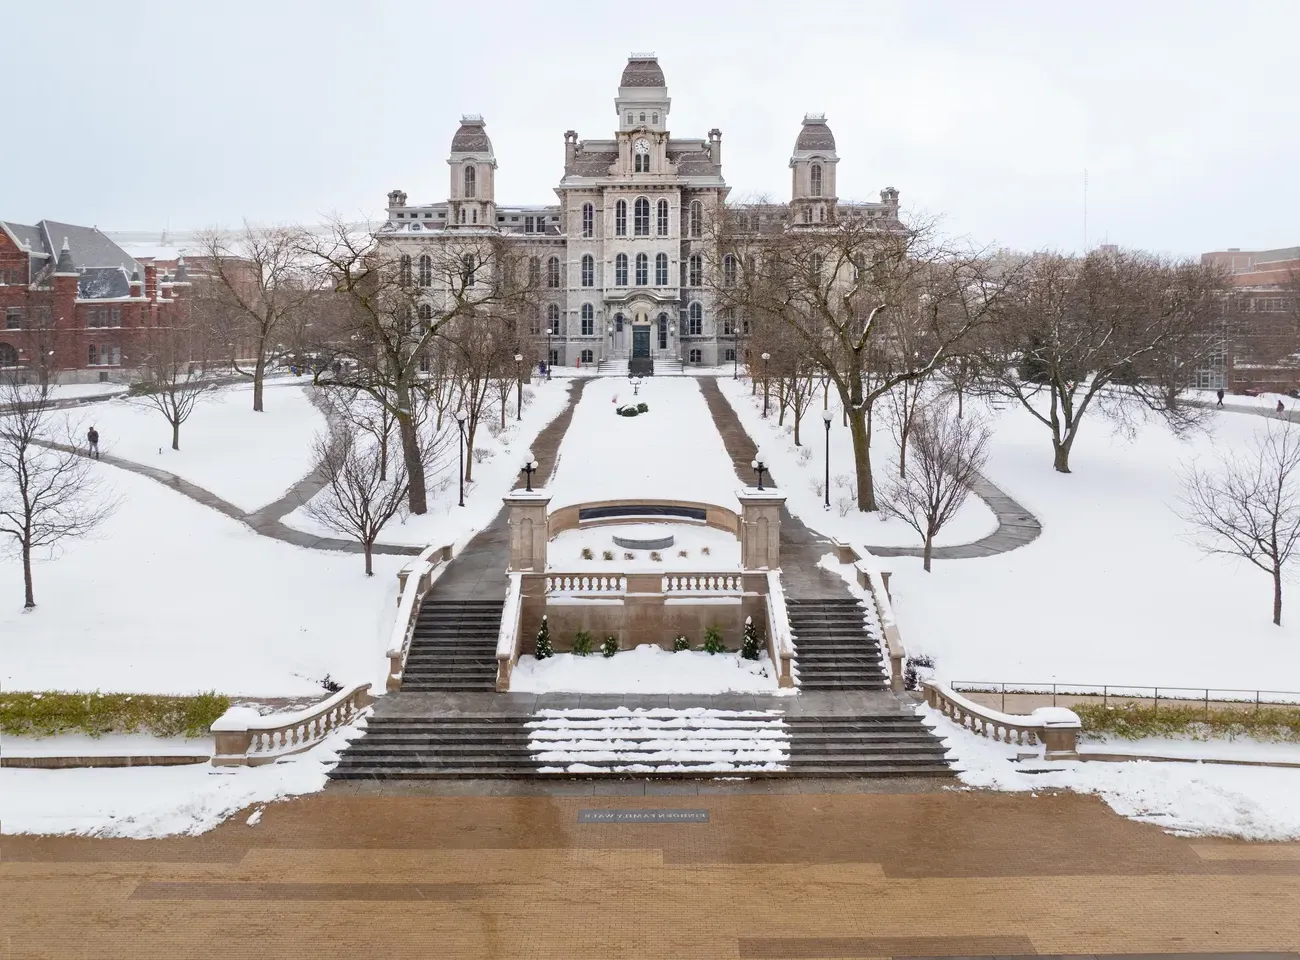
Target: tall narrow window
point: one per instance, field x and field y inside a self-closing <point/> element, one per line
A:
<point x="553" y="319"/>
<point x="696" y="223"/>
<point x="728" y="323"/>
<point x="642" y="270"/>
<point x="553" y="273"/>
<point x="588" y="320"/>
<point x="620" y="219"/>
<point x="91" y="359"/>
<point x="9" y="355"/>
<point x="404" y="271"/>
<point x="470" y="176"/>
<point x="641" y="163"/>
<point x="815" y="264"/>
<point x="534" y="271"/>
<point x="425" y="313"/>
<point x="663" y="331"/>
<point x="588" y="220"/>
<point x="654" y="118"/>
<point x="588" y="270"/>
<point x="696" y="277"/>
<point x="426" y="270"/>
<point x="696" y="318"/>
<point x="535" y="324"/>
<point x="641" y="220"/>
<point x="620" y="270"/>
<point x="661" y="219"/>
<point x="462" y="214"/>
<point x="729" y="270"/>
<point x="474" y="215"/>
<point x="807" y="214"/>
<point x="661" y="269"/>
<point x="815" y="179"/>
<point x="469" y="268"/>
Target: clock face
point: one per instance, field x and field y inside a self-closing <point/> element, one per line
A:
<point x="642" y="146"/>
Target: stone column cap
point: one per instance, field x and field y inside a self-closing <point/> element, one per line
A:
<point x="755" y="495"/>
<point x="540" y="495"/>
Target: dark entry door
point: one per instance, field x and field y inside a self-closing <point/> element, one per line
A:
<point x="640" y="342"/>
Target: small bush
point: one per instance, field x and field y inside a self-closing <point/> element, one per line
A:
<point x="582" y="643"/>
<point x="843" y="481"/>
<point x="642" y="408"/>
<point x="912" y="671"/>
<point x="655" y="555"/>
<point x="628" y="555"/>
<point x="683" y="553"/>
<point x="805" y="455"/>
<point x="544" y="648"/>
<point x="607" y="555"/>
<point x="49" y="713"/>
<point x="819" y="487"/>
<point x="330" y="684"/>
<point x="628" y="411"/>
<point x="750" y="643"/>
<point x="681" y="643"/>
<point x="609" y="647"/>
<point x="844" y="505"/>
<point x="494" y="429"/>
<point x="482" y="453"/>
<point x="587" y="554"/>
<point x="713" y="641"/>
<point x="704" y="550"/>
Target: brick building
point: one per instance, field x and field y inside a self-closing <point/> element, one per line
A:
<point x="74" y="306"/>
<point x="1262" y="342"/>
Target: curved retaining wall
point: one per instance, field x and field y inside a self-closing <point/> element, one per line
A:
<point x="602" y="512"/>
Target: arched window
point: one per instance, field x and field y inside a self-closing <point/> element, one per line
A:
<point x="654" y="118"/>
<point x="588" y="357"/>
<point x="661" y="220"/>
<point x="729" y="270"/>
<point x="696" y="223"/>
<point x="425" y="312"/>
<point x="588" y="270"/>
<point x="534" y="271"/>
<point x="620" y="219"/>
<point x="470" y="176"/>
<point x="620" y="270"/>
<point x="553" y="318"/>
<point x="695" y="356"/>
<point x="641" y="163"/>
<point x="553" y="272"/>
<point x="618" y="323"/>
<point x="641" y="220"/>
<point x="426" y="270"/>
<point x="643" y="118"/>
<point x="404" y="271"/>
<point x="474" y="215"/>
<point x="807" y="214"/>
<point x="815" y="180"/>
<point x="642" y="270"/>
<point x="468" y="267"/>
<point x="629" y="118"/>
<point x="661" y="269"/>
<point x="9" y="355"/>
<point x="696" y="276"/>
<point x="588" y="320"/>
<point x="696" y="318"/>
<point x="588" y="220"/>
<point x="462" y="214"/>
<point x="663" y="331"/>
<point x="821" y="214"/>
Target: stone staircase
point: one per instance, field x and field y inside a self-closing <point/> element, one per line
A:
<point x="454" y="646"/>
<point x="837" y="644"/>
<point x="634" y="743"/>
<point x="612" y="367"/>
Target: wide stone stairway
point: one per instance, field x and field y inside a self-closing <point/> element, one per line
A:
<point x="837" y="644"/>
<point x="454" y="646"/>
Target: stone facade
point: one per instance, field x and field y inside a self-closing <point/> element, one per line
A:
<point x="620" y="258"/>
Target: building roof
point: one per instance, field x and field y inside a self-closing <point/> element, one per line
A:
<point x="642" y="71"/>
<point x="29" y="235"/>
<point x="594" y="163"/>
<point x="815" y="135"/>
<point x="471" y="137"/>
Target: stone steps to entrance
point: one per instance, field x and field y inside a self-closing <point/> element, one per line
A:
<point x="837" y="644"/>
<point x="453" y="646"/>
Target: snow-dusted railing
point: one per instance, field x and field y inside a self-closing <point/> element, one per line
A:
<point x="1055" y="727"/>
<point x="414" y="579"/>
<point x="247" y="739"/>
<point x="711" y="584"/>
<point x="511" y="634"/>
<point x="870" y="578"/>
<point x="778" y="630"/>
<point x="585" y="584"/>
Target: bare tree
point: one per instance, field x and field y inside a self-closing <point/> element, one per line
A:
<point x="49" y="492"/>
<point x="255" y="286"/>
<point x="1248" y="505"/>
<point x="173" y="372"/>
<point x="949" y="453"/>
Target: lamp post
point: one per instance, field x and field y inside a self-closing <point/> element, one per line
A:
<point x="672" y="331"/>
<point x="549" y="330"/>
<point x="766" y="357"/>
<point x="460" y="450"/>
<point x="527" y="468"/>
<point x="827" y="416"/>
<point x="519" y="387"/>
<point x="735" y="355"/>
<point x="759" y="463"/>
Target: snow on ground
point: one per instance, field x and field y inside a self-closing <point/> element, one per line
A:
<point x="801" y="476"/>
<point x="494" y="476"/>
<point x="1111" y="592"/>
<point x="673" y="452"/>
<point x="79" y="391"/>
<point x="172" y="597"/>
<point x="247" y="458"/>
<point x="1255" y="803"/>
<point x="143" y="802"/>
<point x="1265" y="401"/>
<point x="108" y="745"/>
<point x="564" y="552"/>
<point x="1237" y="748"/>
<point x="645" y="669"/>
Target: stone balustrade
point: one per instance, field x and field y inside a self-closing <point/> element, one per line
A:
<point x="713" y="584"/>
<point x="779" y="647"/>
<point x="414" y="581"/>
<point x="1056" y="728"/>
<point x="244" y="738"/>
<point x="510" y="636"/>
<point x="585" y="584"/>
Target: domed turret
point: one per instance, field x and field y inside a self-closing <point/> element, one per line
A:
<point x="471" y="136"/>
<point x="642" y="101"/>
<point x="642" y="70"/>
<point x="815" y="134"/>
<point x="812" y="187"/>
<point x="473" y="167"/>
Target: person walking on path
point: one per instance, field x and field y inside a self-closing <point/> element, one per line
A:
<point x="1220" y="403"/>
<point x="92" y="438"/>
<point x="1279" y="408"/>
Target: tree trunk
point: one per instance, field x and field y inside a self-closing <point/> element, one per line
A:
<point x="928" y="552"/>
<point x="519" y="399"/>
<point x="798" y="418"/>
<point x="29" y="597"/>
<point x="1061" y="455"/>
<point x="259" y="375"/>
<point x="471" y="425"/>
<point x="369" y="547"/>
<point x="1277" y="595"/>
<point x="417" y="497"/>
<point x="960" y="394"/>
<point x="176" y="434"/>
<point x="860" y="431"/>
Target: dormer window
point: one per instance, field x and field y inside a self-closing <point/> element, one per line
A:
<point x="654" y="118"/>
<point x="629" y="118"/>
<point x="643" y="118"/>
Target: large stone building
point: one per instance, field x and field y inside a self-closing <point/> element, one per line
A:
<point x="620" y="258"/>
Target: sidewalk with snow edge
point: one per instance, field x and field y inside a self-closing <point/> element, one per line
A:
<point x="646" y="668"/>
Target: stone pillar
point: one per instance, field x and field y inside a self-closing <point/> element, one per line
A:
<point x="528" y="530"/>
<point x="760" y="528"/>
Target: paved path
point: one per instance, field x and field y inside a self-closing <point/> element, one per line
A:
<point x="791" y="869"/>
<point x="1016" y="527"/>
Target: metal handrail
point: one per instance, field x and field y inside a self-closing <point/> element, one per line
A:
<point x="1206" y="695"/>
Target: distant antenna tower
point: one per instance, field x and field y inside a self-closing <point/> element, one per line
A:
<point x="1085" y="209"/>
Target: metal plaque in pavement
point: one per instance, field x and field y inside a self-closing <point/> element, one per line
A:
<point x="643" y="816"/>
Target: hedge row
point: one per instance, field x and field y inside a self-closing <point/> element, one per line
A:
<point x="47" y="713"/>
<point x="1133" y="722"/>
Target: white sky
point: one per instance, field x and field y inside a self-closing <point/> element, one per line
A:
<point x="1186" y="114"/>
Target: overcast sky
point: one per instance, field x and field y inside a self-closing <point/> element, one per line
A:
<point x="1186" y="115"/>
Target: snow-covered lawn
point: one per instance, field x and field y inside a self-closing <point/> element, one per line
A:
<point x="142" y="802"/>
<point x="495" y="472"/>
<point x="672" y="452"/>
<point x="564" y="552"/>
<point x="1256" y="803"/>
<point x="172" y="597"/>
<point x="801" y="475"/>
<point x="247" y="458"/>
<point x="645" y="669"/>
<point x="82" y="391"/>
<point x="109" y="745"/>
<point x="1265" y="401"/>
<point x="1112" y="591"/>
